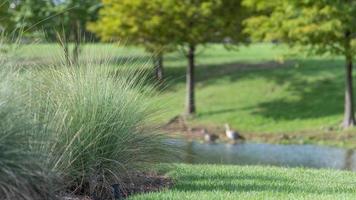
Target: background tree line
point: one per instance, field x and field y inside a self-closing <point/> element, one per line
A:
<point x="63" y="21"/>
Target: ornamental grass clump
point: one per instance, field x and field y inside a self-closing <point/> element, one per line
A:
<point x="103" y="127"/>
<point x="23" y="171"/>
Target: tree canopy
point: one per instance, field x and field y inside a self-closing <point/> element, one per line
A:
<point x="136" y="21"/>
<point x="157" y="23"/>
<point x="321" y="26"/>
<point x="5" y="16"/>
<point x="53" y="15"/>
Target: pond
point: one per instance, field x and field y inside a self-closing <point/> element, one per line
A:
<point x="310" y="156"/>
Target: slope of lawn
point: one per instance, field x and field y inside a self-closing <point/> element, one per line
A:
<point x="260" y="89"/>
<point x="252" y="182"/>
<point x="254" y="93"/>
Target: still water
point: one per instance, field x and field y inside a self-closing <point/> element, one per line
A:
<point x="310" y="156"/>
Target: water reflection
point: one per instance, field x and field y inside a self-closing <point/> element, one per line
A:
<point x="269" y="154"/>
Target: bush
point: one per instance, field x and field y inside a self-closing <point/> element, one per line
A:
<point x="102" y="125"/>
<point x="23" y="172"/>
<point x="90" y="126"/>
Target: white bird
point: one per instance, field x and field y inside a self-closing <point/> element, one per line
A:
<point x="231" y="134"/>
<point x="208" y="137"/>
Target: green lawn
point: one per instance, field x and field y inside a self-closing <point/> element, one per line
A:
<point x="252" y="182"/>
<point x="255" y="94"/>
<point x="250" y="88"/>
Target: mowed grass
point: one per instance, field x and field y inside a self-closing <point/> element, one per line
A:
<point x="253" y="182"/>
<point x="258" y="89"/>
<point x="261" y="89"/>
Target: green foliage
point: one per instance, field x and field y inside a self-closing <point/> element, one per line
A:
<point x="23" y="172"/>
<point x="158" y="24"/>
<point x="73" y="15"/>
<point x="29" y="13"/>
<point x="320" y="25"/>
<point x="103" y="128"/>
<point x="85" y="128"/>
<point x="53" y="16"/>
<point x="23" y="169"/>
<point x="5" y="16"/>
<point x="139" y="22"/>
<point x="270" y="99"/>
<point x="199" y="22"/>
<point x="255" y="183"/>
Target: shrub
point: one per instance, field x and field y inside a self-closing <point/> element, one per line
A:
<point x="23" y="173"/>
<point x="102" y="125"/>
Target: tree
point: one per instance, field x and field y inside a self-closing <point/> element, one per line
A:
<point x="175" y="23"/>
<point x="321" y="26"/>
<point x="138" y="22"/>
<point x="197" y="22"/>
<point x="63" y="20"/>
<point x="73" y="16"/>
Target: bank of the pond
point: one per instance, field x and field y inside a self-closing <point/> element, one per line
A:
<point x="178" y="127"/>
<point x="253" y="182"/>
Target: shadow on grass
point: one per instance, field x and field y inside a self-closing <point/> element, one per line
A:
<point x="254" y="183"/>
<point x="320" y="98"/>
<point x="315" y="97"/>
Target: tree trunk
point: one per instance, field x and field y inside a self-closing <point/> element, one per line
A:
<point x="190" y="104"/>
<point x="158" y="64"/>
<point x="76" y="48"/>
<point x="75" y="54"/>
<point x="66" y="53"/>
<point x="349" y="117"/>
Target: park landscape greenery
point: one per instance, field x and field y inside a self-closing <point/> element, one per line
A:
<point x="253" y="182"/>
<point x="75" y="131"/>
<point x="92" y="119"/>
<point x="320" y="26"/>
<point x="162" y="25"/>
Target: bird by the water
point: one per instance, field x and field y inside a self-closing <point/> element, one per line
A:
<point x="231" y="134"/>
<point x="209" y="137"/>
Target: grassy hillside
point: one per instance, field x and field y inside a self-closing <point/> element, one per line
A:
<point x="250" y="182"/>
<point x="254" y="93"/>
<point x="260" y="89"/>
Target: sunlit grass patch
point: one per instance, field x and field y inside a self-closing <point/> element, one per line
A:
<point x="254" y="182"/>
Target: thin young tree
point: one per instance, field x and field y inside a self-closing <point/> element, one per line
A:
<point x="137" y="22"/>
<point x="198" y="22"/>
<point x="158" y="24"/>
<point x="70" y="21"/>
